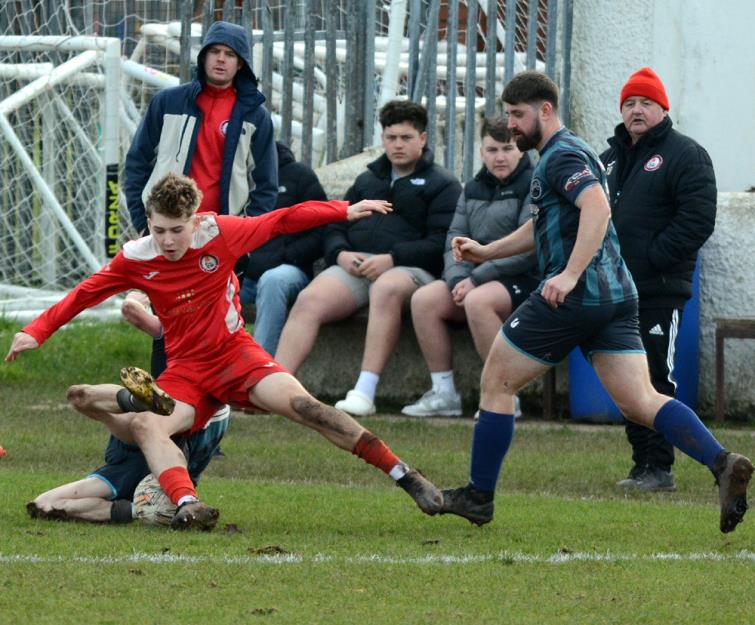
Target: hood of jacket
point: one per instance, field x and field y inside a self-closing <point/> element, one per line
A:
<point x="234" y="37"/>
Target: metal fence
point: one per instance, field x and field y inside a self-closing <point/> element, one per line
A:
<point x="327" y="66"/>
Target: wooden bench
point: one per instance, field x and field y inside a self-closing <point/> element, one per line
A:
<point x="728" y="328"/>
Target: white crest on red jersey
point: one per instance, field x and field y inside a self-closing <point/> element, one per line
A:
<point x="141" y="249"/>
<point x="206" y="232"/>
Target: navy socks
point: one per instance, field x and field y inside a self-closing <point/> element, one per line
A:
<point x="684" y="430"/>
<point x="490" y="442"/>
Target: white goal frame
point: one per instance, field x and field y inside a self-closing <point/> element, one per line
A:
<point x="22" y="303"/>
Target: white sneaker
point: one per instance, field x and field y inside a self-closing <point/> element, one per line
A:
<point x="356" y="404"/>
<point x="517" y="409"/>
<point x="433" y="404"/>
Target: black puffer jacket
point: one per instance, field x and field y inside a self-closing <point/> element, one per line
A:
<point x="415" y="232"/>
<point x="297" y="183"/>
<point x="663" y="204"/>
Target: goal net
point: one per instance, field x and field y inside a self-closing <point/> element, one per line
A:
<point x="59" y="201"/>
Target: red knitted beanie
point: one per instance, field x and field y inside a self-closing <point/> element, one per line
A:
<point x="645" y="83"/>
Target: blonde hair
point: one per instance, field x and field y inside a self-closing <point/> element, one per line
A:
<point x="174" y="196"/>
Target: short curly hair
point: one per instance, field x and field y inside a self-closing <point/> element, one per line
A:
<point x="400" y="111"/>
<point x="174" y="196"/>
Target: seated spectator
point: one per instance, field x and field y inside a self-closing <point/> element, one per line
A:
<point x="281" y="268"/>
<point x="383" y="260"/>
<point x="491" y="206"/>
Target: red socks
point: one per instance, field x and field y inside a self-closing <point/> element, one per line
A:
<point x="176" y="483"/>
<point x="375" y="452"/>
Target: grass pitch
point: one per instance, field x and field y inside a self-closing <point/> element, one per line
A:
<point x="309" y="534"/>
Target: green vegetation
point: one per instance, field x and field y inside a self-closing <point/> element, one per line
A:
<point x="309" y="534"/>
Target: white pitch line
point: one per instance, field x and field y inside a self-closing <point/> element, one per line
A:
<point x="290" y="558"/>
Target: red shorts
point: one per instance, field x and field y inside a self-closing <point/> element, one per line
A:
<point x="208" y="383"/>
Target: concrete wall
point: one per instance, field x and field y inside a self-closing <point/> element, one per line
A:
<point x="702" y="51"/>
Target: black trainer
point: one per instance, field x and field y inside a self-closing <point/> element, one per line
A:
<point x="195" y="515"/>
<point x="648" y="479"/>
<point x="474" y="505"/>
<point x="733" y="473"/>
<point x="425" y="494"/>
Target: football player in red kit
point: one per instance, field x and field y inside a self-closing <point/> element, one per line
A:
<point x="185" y="266"/>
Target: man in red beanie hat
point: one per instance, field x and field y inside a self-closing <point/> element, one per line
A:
<point x="663" y="205"/>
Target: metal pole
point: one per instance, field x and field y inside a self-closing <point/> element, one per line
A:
<point x="111" y="146"/>
<point x="309" y="85"/>
<point x="185" y="67"/>
<point x="430" y="50"/>
<point x="332" y="83"/>
<point x="532" y="24"/>
<point x="508" y="73"/>
<point x="369" y="74"/>
<point x="469" y="91"/>
<point x="247" y="17"/>
<point x="351" y="86"/>
<point x="415" y="14"/>
<point x="208" y="16"/>
<point x="566" y="67"/>
<point x="452" y="45"/>
<point x="267" y="45"/>
<point x="491" y="45"/>
<point x="550" y="42"/>
<point x="287" y="96"/>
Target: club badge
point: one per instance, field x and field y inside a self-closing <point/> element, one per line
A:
<point x="209" y="263"/>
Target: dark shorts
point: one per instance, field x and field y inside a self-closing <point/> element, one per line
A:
<point x="548" y="334"/>
<point x="519" y="288"/>
<point x="126" y="466"/>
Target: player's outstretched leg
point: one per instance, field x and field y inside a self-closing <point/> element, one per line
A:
<point x="733" y="473"/>
<point x="283" y="394"/>
<point x="144" y="389"/>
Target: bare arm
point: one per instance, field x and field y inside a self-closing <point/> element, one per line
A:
<point x="593" y="221"/>
<point x="520" y="241"/>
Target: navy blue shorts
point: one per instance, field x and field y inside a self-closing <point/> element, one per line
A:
<point x="519" y="288"/>
<point x="126" y="466"/>
<point x="548" y="334"/>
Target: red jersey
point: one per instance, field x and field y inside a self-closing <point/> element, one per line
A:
<point x="206" y="164"/>
<point x="194" y="296"/>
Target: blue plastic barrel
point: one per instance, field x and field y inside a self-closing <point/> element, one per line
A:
<point x="588" y="399"/>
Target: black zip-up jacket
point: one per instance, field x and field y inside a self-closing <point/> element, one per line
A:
<point x="415" y="232"/>
<point x="297" y="183"/>
<point x="663" y="205"/>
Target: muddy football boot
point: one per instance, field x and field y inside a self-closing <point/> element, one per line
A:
<point x="195" y="515"/>
<point x="474" y="505"/>
<point x="35" y="512"/>
<point x="425" y="494"/>
<point x="145" y="390"/>
<point x="733" y="473"/>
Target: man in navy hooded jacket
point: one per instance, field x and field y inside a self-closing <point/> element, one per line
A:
<point x="214" y="129"/>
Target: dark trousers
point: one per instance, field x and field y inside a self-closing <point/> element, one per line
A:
<point x="159" y="360"/>
<point x="659" y="328"/>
